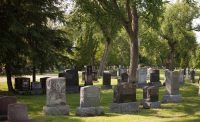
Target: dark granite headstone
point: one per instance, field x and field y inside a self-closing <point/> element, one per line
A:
<point x="4" y="102"/>
<point x="125" y="92"/>
<point x="83" y="76"/>
<point x="106" y="80"/>
<point x="22" y="84"/>
<point x="17" y="113"/>
<point x="192" y="76"/>
<point x="43" y="83"/>
<point x="124" y="77"/>
<point x="94" y="76"/>
<point x="88" y="76"/>
<point x="155" y="76"/>
<point x="36" y="88"/>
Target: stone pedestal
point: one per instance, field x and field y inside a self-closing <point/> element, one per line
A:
<point x="89" y="111"/>
<point x="129" y="107"/>
<point x="147" y="104"/>
<point x="172" y="98"/>
<point x="56" y="97"/>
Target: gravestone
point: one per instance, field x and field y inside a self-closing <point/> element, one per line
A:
<point x="192" y="76"/>
<point x="172" y="86"/>
<point x="22" y="85"/>
<point x="43" y="81"/>
<point x="151" y="97"/>
<point x="149" y="70"/>
<point x="88" y="76"/>
<point x="124" y="99"/>
<point x="4" y="102"/>
<point x="124" y="78"/>
<point x="94" y="76"/>
<point x="181" y="77"/>
<point x="72" y="80"/>
<point x="17" y="113"/>
<point x="83" y="76"/>
<point x="89" y="102"/>
<point x="56" y="97"/>
<point x="142" y="77"/>
<point x="36" y="88"/>
<point x="113" y="73"/>
<point x="106" y="80"/>
<point x="155" y="77"/>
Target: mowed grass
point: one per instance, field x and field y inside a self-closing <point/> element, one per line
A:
<point x="186" y="111"/>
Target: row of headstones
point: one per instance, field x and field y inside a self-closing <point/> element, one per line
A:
<point x="11" y="111"/>
<point x="124" y="99"/>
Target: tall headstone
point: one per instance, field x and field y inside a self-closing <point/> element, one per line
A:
<point x="56" y="97"/>
<point x="172" y="87"/>
<point x="43" y="81"/>
<point x="192" y="76"/>
<point x="72" y="80"/>
<point x="83" y="76"/>
<point x="94" y="76"/>
<point x="4" y="102"/>
<point x="124" y="99"/>
<point x="155" y="77"/>
<point x="22" y="85"/>
<point x="17" y="113"/>
<point x="142" y="77"/>
<point x="88" y="75"/>
<point x="151" y="97"/>
<point x="106" y="80"/>
<point x="89" y="102"/>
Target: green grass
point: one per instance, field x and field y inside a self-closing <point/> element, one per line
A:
<point x="186" y="111"/>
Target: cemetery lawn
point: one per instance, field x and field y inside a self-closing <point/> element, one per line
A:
<point x="186" y="111"/>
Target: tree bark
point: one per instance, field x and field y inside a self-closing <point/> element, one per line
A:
<point x="9" y="77"/>
<point x="104" y="57"/>
<point x="34" y="74"/>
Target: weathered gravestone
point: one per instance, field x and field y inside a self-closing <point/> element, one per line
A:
<point x="43" y="81"/>
<point x="72" y="80"/>
<point x="124" y="99"/>
<point x="106" y="80"/>
<point x="36" y="88"/>
<point x="155" y="77"/>
<point x="172" y="86"/>
<point x="89" y="102"/>
<point x="17" y="113"/>
<point x="181" y="77"/>
<point x="142" y="77"/>
<point x="22" y="85"/>
<point x="56" y="97"/>
<point x="151" y="97"/>
<point x="4" y="102"/>
<point x="88" y="76"/>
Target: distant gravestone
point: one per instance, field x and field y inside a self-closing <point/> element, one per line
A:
<point x="94" y="76"/>
<point x="124" y="78"/>
<point x="72" y="80"/>
<point x="17" y="113"/>
<point x="83" y="76"/>
<point x="155" y="77"/>
<point x="36" y="88"/>
<point x="172" y="86"/>
<point x="88" y="76"/>
<point x="142" y="77"/>
<point x="151" y="97"/>
<point x="149" y="70"/>
<point x="192" y="76"/>
<point x="106" y="80"/>
<point x="181" y="77"/>
<point x="124" y="99"/>
<point x="56" y="97"/>
<point x="4" y="102"/>
<point x="43" y="81"/>
<point x="22" y="84"/>
<point x="89" y="102"/>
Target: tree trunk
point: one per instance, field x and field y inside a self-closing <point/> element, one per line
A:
<point x="34" y="74"/>
<point x="9" y="77"/>
<point x="104" y="57"/>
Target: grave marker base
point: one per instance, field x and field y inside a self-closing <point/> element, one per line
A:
<point x="151" y="104"/>
<point x="56" y="110"/>
<point x="89" y="111"/>
<point x="129" y="107"/>
<point x="172" y="98"/>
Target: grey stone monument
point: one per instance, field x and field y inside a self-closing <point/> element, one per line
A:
<point x="56" y="97"/>
<point x="142" y="77"/>
<point x="181" y="77"/>
<point x="89" y="102"/>
<point x="36" y="88"/>
<point x="124" y="99"/>
<point x="151" y="97"/>
<point x="17" y="113"/>
<point x="172" y="87"/>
